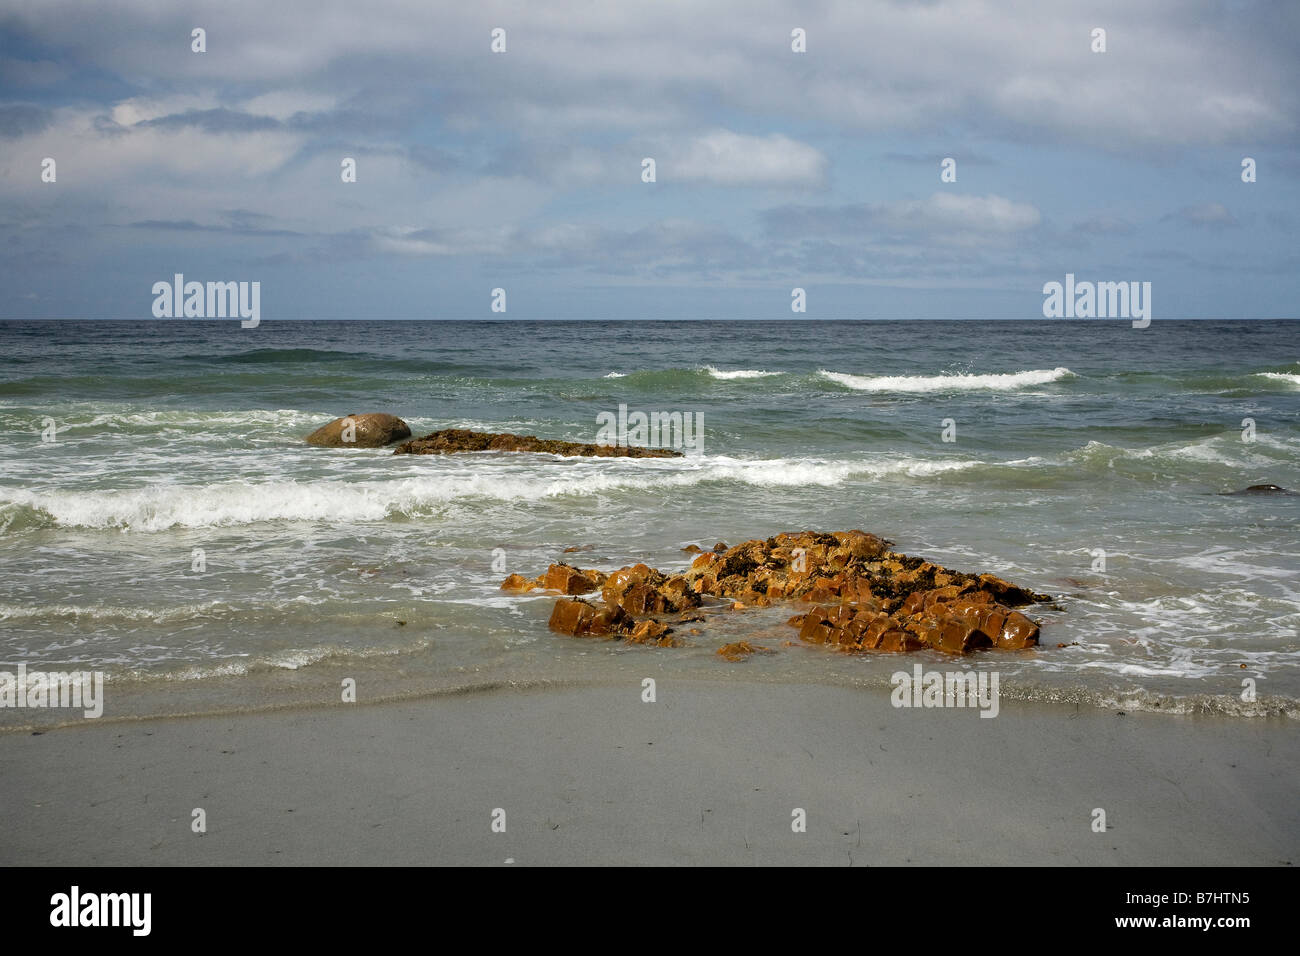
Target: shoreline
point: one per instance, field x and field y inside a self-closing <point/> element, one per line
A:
<point x="710" y="772"/>
<point x="322" y="693"/>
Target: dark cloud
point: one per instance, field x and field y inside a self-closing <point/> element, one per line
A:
<point x="240" y="223"/>
<point x="214" y="121"/>
<point x="17" y="119"/>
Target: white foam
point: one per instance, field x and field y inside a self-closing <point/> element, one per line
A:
<point x="957" y="381"/>
<point x="738" y="373"/>
<point x="616" y="375"/>
<point x="233" y="503"/>
<point x="1289" y="377"/>
<point x="16" y="612"/>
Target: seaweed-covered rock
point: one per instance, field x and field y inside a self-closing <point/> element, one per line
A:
<point x="450" y="441"/>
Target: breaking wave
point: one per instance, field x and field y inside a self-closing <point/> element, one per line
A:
<point x="234" y="503"/>
<point x="956" y="381"/>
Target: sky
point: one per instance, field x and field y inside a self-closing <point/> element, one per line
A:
<point x="774" y="169"/>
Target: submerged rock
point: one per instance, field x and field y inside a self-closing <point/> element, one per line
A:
<point x="740" y="650"/>
<point x="1261" y="490"/>
<point x="360" y="431"/>
<point x="864" y="596"/>
<point x="452" y="440"/>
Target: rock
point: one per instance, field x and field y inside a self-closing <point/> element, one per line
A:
<point x="369" y="431"/>
<point x="454" y="440"/>
<point x="652" y="632"/>
<point x="517" y="582"/>
<point x="1261" y="490"/>
<point x="580" y="619"/>
<point x="571" y="617"/>
<point x="566" y="580"/>
<point x="692" y="549"/>
<point x="861" y="596"/>
<point x="740" y="650"/>
<point x="624" y="579"/>
<point x="1009" y="593"/>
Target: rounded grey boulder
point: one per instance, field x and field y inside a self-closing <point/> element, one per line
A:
<point x="360" y="431"/>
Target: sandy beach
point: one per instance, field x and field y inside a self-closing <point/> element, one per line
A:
<point x="709" y="773"/>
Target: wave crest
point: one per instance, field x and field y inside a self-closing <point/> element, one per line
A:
<point x="955" y="381"/>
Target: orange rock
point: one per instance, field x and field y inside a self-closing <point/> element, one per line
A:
<point x="862" y="545"/>
<point x="740" y="650"/>
<point x="896" y="639"/>
<point x="652" y="632"/>
<point x="705" y="584"/>
<point x="703" y="561"/>
<point x="1018" y="632"/>
<point x="861" y="595"/>
<point x="567" y="580"/>
<point x="517" y="582"/>
<point x="571" y="617"/>
<point x="618" y="583"/>
<point x="642" y="599"/>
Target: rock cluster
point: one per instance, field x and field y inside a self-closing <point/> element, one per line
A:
<point x="360" y="431"/>
<point x="451" y="440"/>
<point x="628" y="597"/>
<point x="863" y="595"/>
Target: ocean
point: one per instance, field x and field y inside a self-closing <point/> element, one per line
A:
<point x="163" y="521"/>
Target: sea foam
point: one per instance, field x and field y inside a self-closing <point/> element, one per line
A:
<point x="956" y="381"/>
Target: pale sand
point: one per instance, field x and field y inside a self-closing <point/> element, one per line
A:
<point x="708" y="774"/>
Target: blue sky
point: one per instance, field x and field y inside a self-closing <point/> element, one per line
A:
<point x="775" y="169"/>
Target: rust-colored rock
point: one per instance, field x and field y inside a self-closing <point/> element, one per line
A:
<point x="360" y="431"/>
<point x="860" y="596"/>
<point x="453" y="440"/>
<point x="566" y="580"/>
<point x="652" y="632"/>
<point x="517" y="582"/>
<point x="571" y="617"/>
<point x="580" y="619"/>
<point x="740" y="650"/>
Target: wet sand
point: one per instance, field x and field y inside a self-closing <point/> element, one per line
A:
<point x="709" y="773"/>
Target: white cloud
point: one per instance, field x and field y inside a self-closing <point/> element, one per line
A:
<point x="724" y="158"/>
<point x="960" y="212"/>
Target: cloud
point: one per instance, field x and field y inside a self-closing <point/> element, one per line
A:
<point x="213" y="121"/>
<point x="20" y="120"/>
<point x="1104" y="226"/>
<point x="1010" y="68"/>
<point x="724" y="158"/>
<point x="942" y="212"/>
<point x="963" y="158"/>
<point x="530" y="160"/>
<point x="1209" y="215"/>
